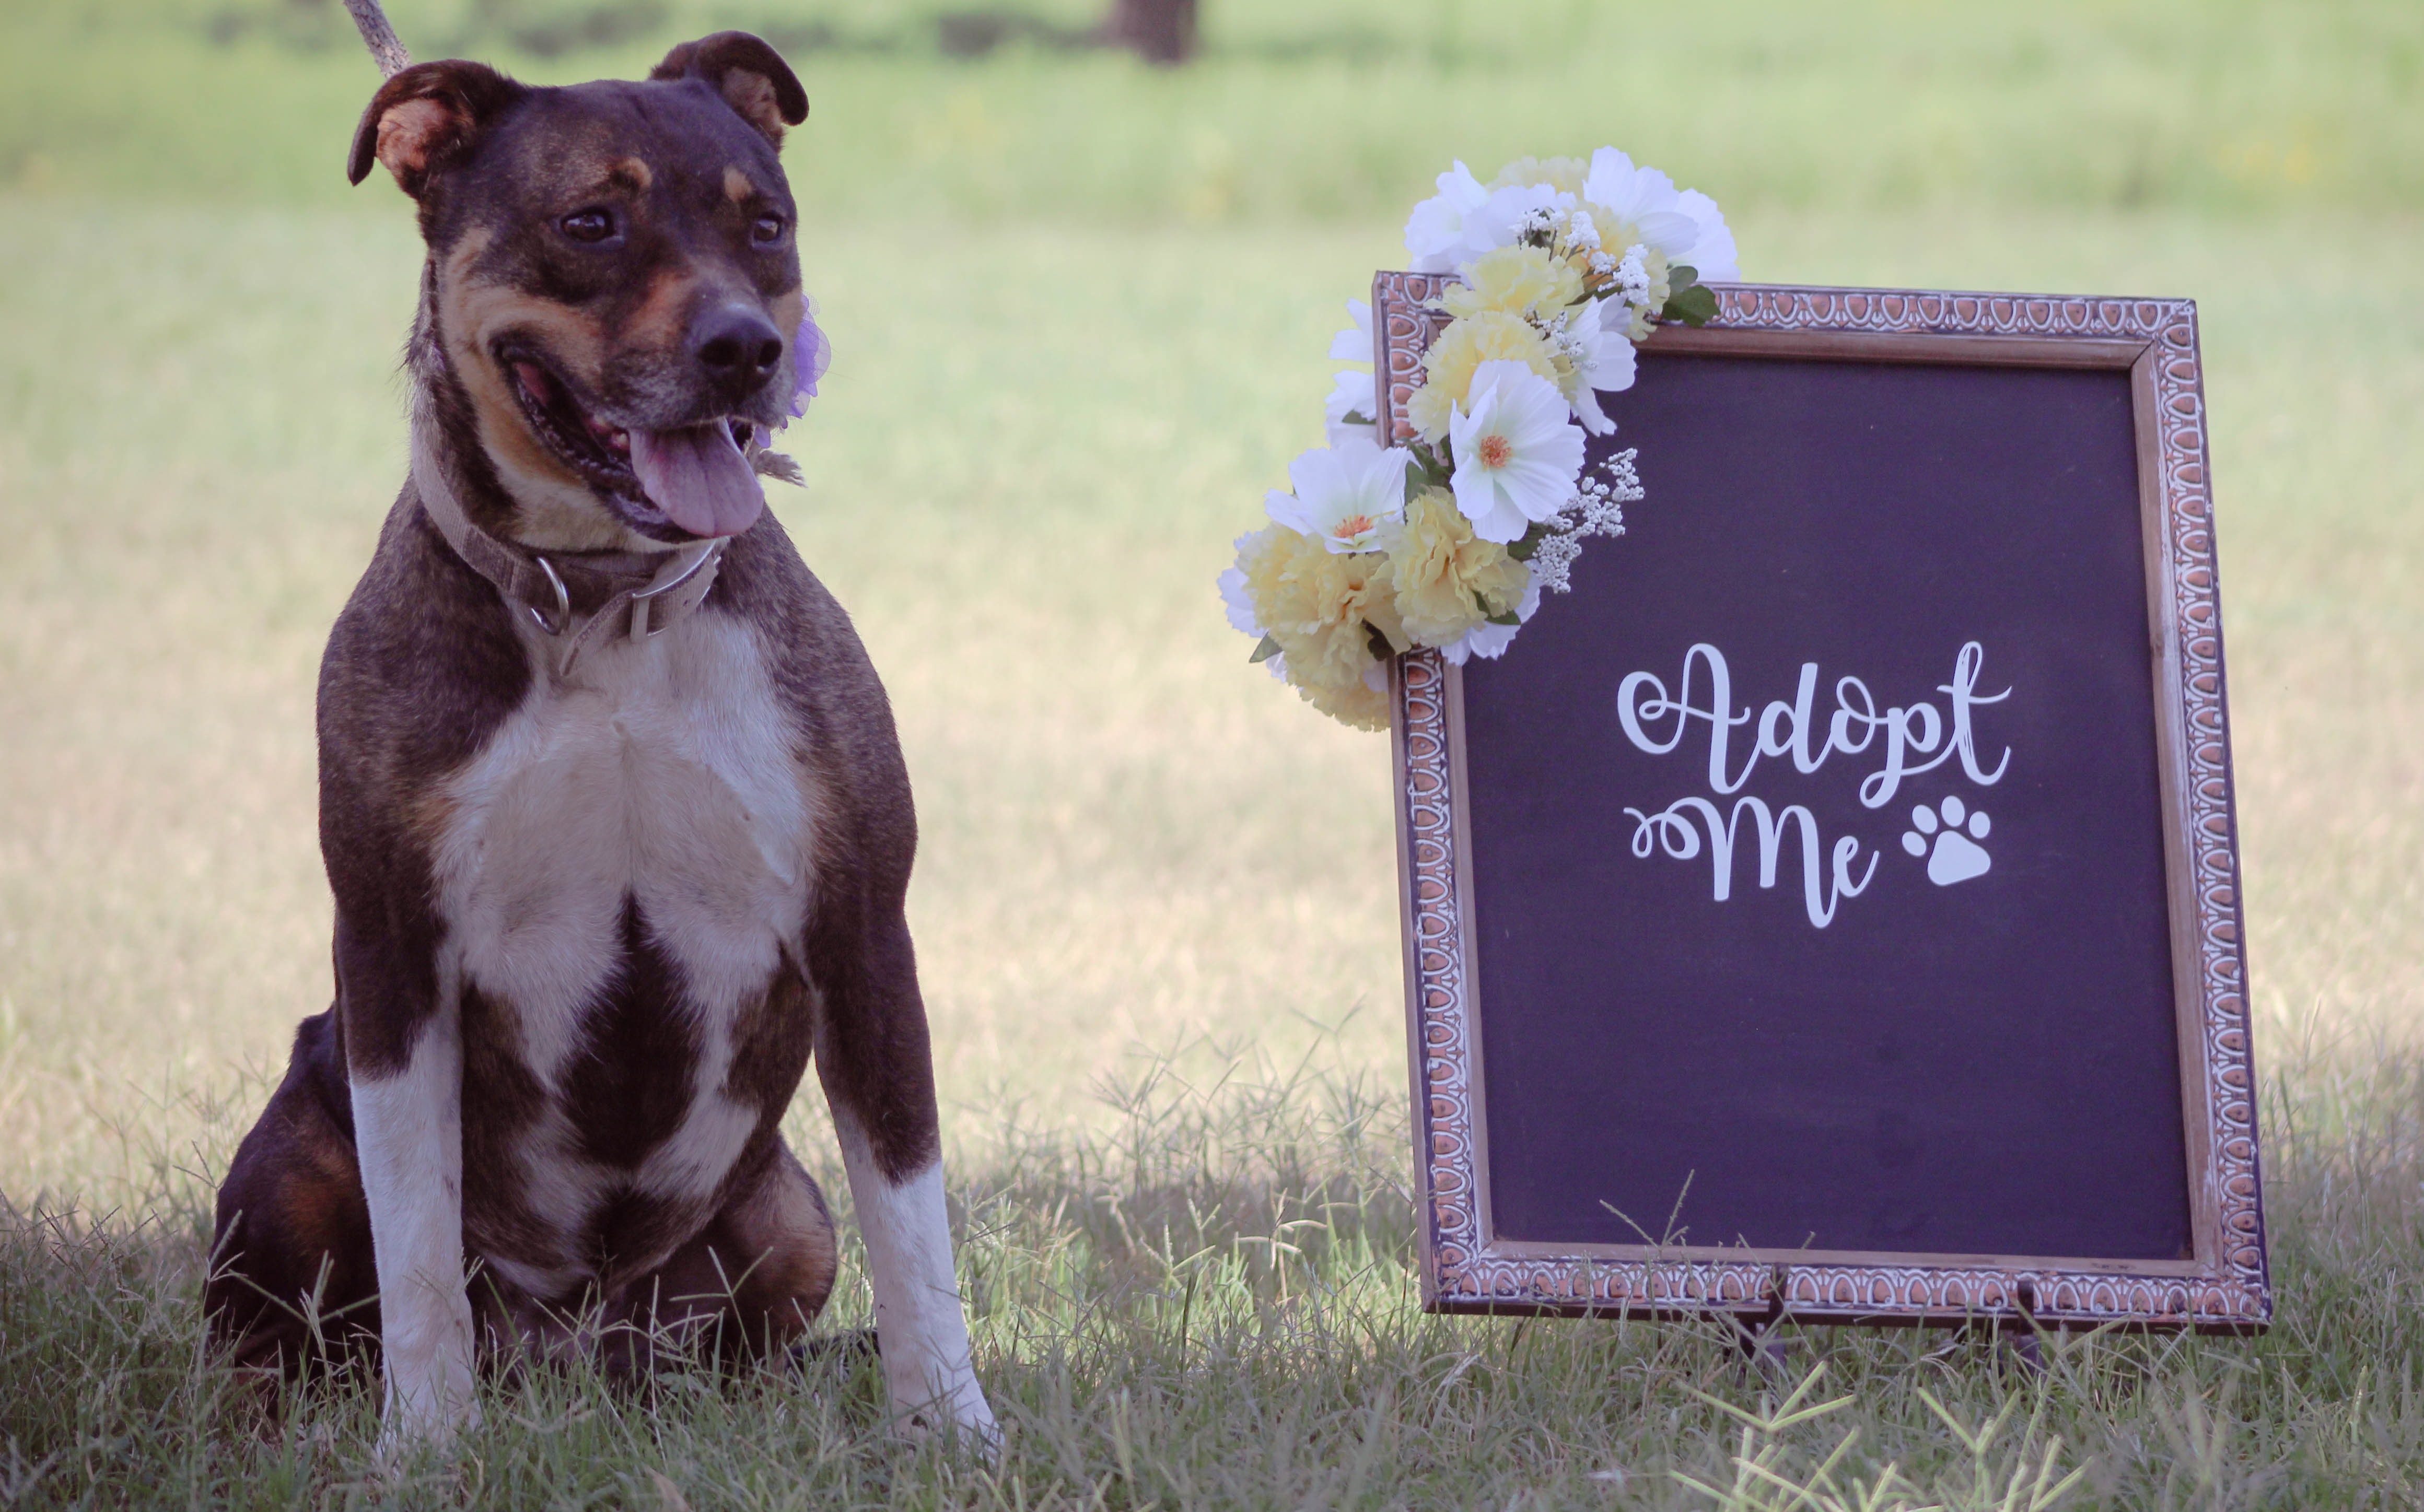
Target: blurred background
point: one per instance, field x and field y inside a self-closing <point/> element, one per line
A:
<point x="1080" y="261"/>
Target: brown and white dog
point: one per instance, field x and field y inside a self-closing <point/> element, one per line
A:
<point x="610" y="799"/>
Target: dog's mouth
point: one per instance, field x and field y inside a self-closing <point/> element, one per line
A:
<point x="685" y="483"/>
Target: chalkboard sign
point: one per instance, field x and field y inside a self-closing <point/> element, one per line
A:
<point x="1829" y="907"/>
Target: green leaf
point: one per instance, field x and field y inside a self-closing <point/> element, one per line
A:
<point x="1681" y="276"/>
<point x="1695" y="306"/>
<point x="1265" y="649"/>
<point x="1521" y="548"/>
<point x="1507" y="618"/>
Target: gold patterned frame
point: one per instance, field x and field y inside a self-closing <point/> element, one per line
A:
<point x="2224" y="1288"/>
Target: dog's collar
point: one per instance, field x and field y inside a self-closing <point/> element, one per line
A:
<point x="569" y="595"/>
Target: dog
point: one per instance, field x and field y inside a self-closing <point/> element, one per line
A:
<point x="611" y="802"/>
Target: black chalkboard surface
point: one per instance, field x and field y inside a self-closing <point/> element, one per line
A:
<point x="1829" y="905"/>
<point x="1986" y="1066"/>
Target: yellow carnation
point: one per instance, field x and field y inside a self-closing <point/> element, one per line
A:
<point x="1359" y="706"/>
<point x="1616" y="233"/>
<point x="1447" y="367"/>
<point x="1662" y="288"/>
<point x="1444" y="577"/>
<point x="1562" y="174"/>
<point x="1516" y="280"/>
<point x="1320" y="606"/>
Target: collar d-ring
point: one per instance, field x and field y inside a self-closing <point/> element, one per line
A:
<point x="562" y="599"/>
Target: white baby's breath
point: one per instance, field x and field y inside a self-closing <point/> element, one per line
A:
<point x="1633" y="275"/>
<point x="1596" y="509"/>
<point x="1533" y="213"/>
<point x="1553" y="562"/>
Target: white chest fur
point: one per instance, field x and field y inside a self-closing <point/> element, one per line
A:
<point x="663" y="773"/>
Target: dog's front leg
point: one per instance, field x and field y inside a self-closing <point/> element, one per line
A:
<point x="920" y="1324"/>
<point x="409" y="1133"/>
<point x="873" y="1060"/>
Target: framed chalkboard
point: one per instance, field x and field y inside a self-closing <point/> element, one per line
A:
<point x="1829" y="908"/>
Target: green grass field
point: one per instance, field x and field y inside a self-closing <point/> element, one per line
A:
<point x="1079" y="311"/>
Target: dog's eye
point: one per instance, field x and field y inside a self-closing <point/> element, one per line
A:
<point x="768" y="231"/>
<point x="587" y="224"/>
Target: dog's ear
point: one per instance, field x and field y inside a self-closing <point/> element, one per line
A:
<point x="752" y="77"/>
<point x="428" y="117"/>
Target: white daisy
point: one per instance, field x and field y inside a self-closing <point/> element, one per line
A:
<point x="1354" y="342"/>
<point x="1516" y="455"/>
<point x="1611" y="360"/>
<point x="1435" y="232"/>
<point x="1712" y="254"/>
<point x="1685" y="225"/>
<point x="1353" y="392"/>
<point x="1643" y="197"/>
<point x="1239" y="604"/>
<point x="1597" y="342"/>
<point x="1344" y="493"/>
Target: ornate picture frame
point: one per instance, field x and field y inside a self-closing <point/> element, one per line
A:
<point x="2224" y="1286"/>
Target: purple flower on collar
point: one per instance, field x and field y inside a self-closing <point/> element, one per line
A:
<point x="812" y="355"/>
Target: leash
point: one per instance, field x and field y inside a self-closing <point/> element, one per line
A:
<point x="570" y="596"/>
<point x="381" y="38"/>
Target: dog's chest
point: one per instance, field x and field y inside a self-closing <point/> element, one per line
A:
<point x="620" y="869"/>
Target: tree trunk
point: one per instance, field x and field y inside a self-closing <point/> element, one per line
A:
<point x="1160" y="31"/>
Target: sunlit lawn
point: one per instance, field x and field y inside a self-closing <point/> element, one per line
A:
<point x="1022" y="490"/>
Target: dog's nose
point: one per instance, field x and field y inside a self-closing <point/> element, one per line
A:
<point x="737" y="347"/>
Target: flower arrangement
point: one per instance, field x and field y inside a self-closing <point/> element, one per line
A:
<point x="1448" y="542"/>
<point x="811" y="357"/>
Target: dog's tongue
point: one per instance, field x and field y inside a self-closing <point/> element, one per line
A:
<point x="699" y="477"/>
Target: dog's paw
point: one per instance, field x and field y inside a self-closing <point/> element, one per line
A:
<point x="429" y="1416"/>
<point x="959" y="1411"/>
<point x="1955" y="857"/>
<point x="980" y="1436"/>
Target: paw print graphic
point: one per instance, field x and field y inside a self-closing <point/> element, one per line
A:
<point x="1957" y="857"/>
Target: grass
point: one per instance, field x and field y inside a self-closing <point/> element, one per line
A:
<point x="1153" y="902"/>
<point x="1340" y="112"/>
<point x="1206" y="1304"/>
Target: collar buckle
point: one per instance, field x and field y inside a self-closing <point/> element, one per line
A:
<point x="641" y="630"/>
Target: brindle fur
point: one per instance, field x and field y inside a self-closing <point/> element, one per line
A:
<point x="428" y="662"/>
